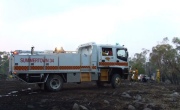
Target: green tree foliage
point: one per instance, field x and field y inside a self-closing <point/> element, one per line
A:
<point x="4" y="64"/>
<point x="139" y="61"/>
<point x="166" y="58"/>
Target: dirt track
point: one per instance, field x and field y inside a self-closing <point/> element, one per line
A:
<point x="15" y="95"/>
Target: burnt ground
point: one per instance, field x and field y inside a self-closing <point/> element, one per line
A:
<point x="16" y="95"/>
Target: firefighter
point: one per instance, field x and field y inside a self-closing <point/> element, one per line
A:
<point x="55" y="50"/>
<point x="136" y="75"/>
<point x="158" y="76"/>
<point x="62" y="50"/>
<point x="110" y="53"/>
<point x="104" y="53"/>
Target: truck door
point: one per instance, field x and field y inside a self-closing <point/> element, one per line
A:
<point x="85" y="59"/>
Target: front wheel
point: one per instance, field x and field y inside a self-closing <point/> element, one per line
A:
<point x="115" y="80"/>
<point x="54" y="83"/>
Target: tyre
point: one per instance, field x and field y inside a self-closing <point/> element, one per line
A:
<point x="115" y="80"/>
<point x="54" y="83"/>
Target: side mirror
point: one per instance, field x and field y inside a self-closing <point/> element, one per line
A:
<point x="127" y="54"/>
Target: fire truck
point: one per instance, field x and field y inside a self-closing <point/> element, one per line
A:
<point x="102" y="63"/>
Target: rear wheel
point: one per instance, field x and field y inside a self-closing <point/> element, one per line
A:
<point x="54" y="83"/>
<point x="115" y="80"/>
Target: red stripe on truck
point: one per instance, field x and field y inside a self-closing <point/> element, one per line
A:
<point x="23" y="68"/>
<point x="113" y="63"/>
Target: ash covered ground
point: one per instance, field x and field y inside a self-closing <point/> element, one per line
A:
<point x="16" y="95"/>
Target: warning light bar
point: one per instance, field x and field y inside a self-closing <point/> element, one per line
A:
<point x="14" y="53"/>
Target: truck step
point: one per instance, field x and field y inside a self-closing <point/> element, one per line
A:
<point x="85" y="77"/>
<point x="104" y="75"/>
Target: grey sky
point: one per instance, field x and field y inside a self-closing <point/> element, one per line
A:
<point x="46" y="24"/>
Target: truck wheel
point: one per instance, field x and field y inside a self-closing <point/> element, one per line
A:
<point x="115" y="80"/>
<point x="54" y="83"/>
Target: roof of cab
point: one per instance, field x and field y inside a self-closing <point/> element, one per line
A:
<point x="100" y="45"/>
<point x="108" y="45"/>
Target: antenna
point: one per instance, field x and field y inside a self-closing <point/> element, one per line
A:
<point x="32" y="50"/>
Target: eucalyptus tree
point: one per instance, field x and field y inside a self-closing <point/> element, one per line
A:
<point x="139" y="60"/>
<point x="166" y="58"/>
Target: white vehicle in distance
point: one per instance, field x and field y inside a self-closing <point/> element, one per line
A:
<point x="141" y="76"/>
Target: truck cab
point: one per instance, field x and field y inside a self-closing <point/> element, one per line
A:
<point x="113" y="54"/>
<point x="110" y="60"/>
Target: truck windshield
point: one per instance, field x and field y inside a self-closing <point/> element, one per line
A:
<point x="122" y="54"/>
